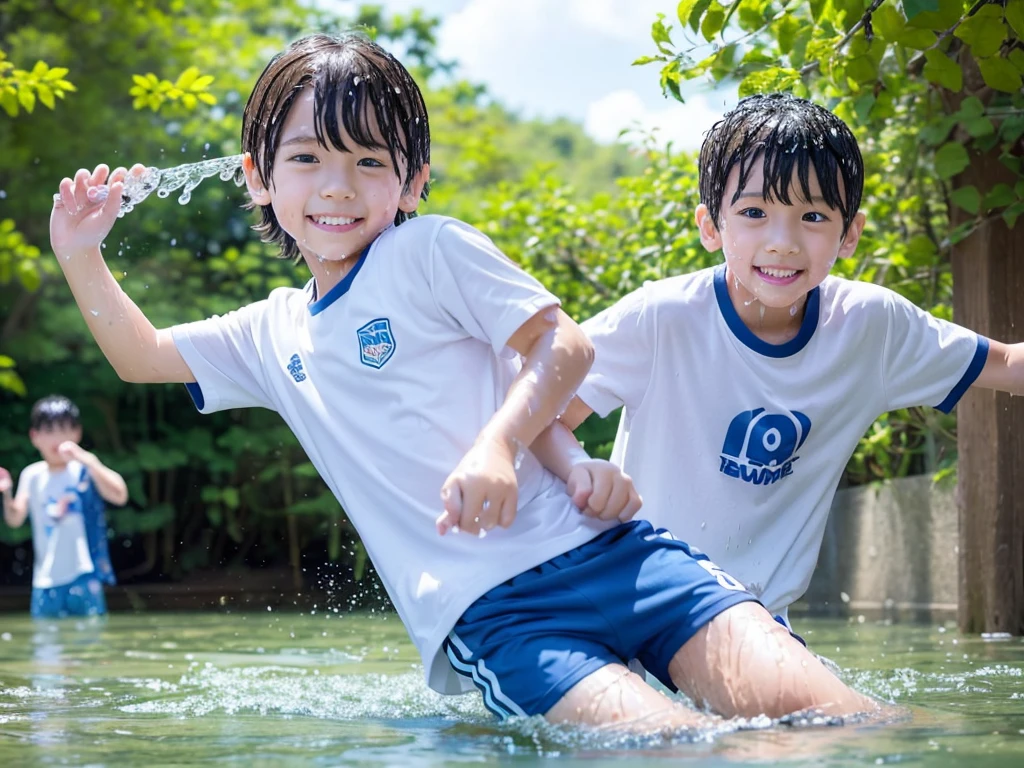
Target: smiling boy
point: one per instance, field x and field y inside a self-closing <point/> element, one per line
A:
<point x="747" y="386"/>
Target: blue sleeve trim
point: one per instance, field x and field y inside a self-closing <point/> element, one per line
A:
<point x="969" y="377"/>
<point x="197" y="395"/>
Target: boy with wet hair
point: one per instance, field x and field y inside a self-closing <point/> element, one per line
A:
<point x="64" y="496"/>
<point x="747" y="386"/>
<point x="418" y="361"/>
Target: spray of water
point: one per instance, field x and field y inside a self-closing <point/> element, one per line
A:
<point x="163" y="181"/>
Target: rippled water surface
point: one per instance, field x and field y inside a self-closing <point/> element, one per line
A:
<point x="347" y="690"/>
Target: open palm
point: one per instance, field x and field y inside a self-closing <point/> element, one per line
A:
<point x="85" y="210"/>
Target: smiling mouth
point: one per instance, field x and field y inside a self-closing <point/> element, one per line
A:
<point x="777" y="274"/>
<point x="334" y="221"/>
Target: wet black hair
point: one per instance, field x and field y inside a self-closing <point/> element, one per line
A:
<point x="788" y="133"/>
<point x="356" y="84"/>
<point x="54" y="411"/>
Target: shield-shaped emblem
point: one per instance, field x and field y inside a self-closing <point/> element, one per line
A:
<point x="376" y="342"/>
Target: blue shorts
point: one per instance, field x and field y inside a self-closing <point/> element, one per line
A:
<point x="630" y="593"/>
<point x="82" y="597"/>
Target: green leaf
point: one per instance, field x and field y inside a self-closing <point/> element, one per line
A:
<point x="45" y="95"/>
<point x="967" y="198"/>
<point x="861" y="69"/>
<point x="6" y="362"/>
<point x="918" y="39"/>
<point x="647" y="60"/>
<point x="979" y="126"/>
<point x="186" y="78"/>
<point x="660" y="35"/>
<point x="27" y="99"/>
<point x="999" y="196"/>
<point x="914" y="7"/>
<point x="950" y="160"/>
<point x="9" y="103"/>
<point x="28" y="275"/>
<point x="1014" y="13"/>
<point x="1011" y="214"/>
<point x="1000" y="74"/>
<point x="690" y="11"/>
<point x="230" y="497"/>
<point x="888" y="22"/>
<point x="10" y="381"/>
<point x="786" y="30"/>
<point x="948" y="13"/>
<point x="942" y="70"/>
<point x="984" y="32"/>
<point x="713" y="20"/>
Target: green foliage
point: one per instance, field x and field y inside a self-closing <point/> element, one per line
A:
<point x="213" y="490"/>
<point x="189" y="89"/>
<point x="927" y="85"/>
<point x="20" y="89"/>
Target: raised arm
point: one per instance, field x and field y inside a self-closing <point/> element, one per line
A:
<point x="83" y="214"/>
<point x="482" y="491"/>
<point x="1004" y="368"/>
<point x="109" y="484"/>
<point x="16" y="508"/>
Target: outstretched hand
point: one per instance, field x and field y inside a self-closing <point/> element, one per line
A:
<point x="602" y="490"/>
<point x="85" y="209"/>
<point x="5" y="481"/>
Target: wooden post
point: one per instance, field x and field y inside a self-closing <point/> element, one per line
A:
<point x="988" y="297"/>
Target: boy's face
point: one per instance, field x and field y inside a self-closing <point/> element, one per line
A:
<point x="777" y="252"/>
<point x="47" y="439"/>
<point x="332" y="203"/>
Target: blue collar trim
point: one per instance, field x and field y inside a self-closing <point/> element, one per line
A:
<point x="341" y="288"/>
<point x="745" y="335"/>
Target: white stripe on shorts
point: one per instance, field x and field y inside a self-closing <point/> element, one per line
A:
<point x="494" y="699"/>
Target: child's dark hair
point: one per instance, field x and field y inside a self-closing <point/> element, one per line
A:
<point x="352" y="78"/>
<point x="789" y="133"/>
<point x="54" y="411"/>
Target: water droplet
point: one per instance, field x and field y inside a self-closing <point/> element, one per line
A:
<point x="174" y="241"/>
<point x="95" y="312"/>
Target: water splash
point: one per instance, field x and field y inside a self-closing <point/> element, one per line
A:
<point x="163" y="181"/>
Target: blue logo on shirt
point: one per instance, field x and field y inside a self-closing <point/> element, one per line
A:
<point x="376" y="342"/>
<point x="759" y="447"/>
<point x="295" y="368"/>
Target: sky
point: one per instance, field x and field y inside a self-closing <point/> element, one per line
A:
<point x="568" y="58"/>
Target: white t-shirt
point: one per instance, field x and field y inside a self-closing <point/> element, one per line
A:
<point x="386" y="381"/>
<point x="737" y="445"/>
<point x="58" y="541"/>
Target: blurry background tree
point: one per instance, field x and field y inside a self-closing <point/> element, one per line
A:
<point x="933" y="89"/>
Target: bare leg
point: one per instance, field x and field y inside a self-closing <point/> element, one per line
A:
<point x="744" y="663"/>
<point x="617" y="698"/>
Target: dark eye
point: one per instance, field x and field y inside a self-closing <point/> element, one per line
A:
<point x="370" y="162"/>
<point x="303" y="158"/>
<point x="815" y="217"/>
<point x="752" y="213"/>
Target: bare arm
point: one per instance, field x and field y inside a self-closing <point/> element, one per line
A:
<point x="16" y="508"/>
<point x="556" y="447"/>
<point x="80" y="220"/>
<point x="1004" y="368"/>
<point x="482" y="491"/>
